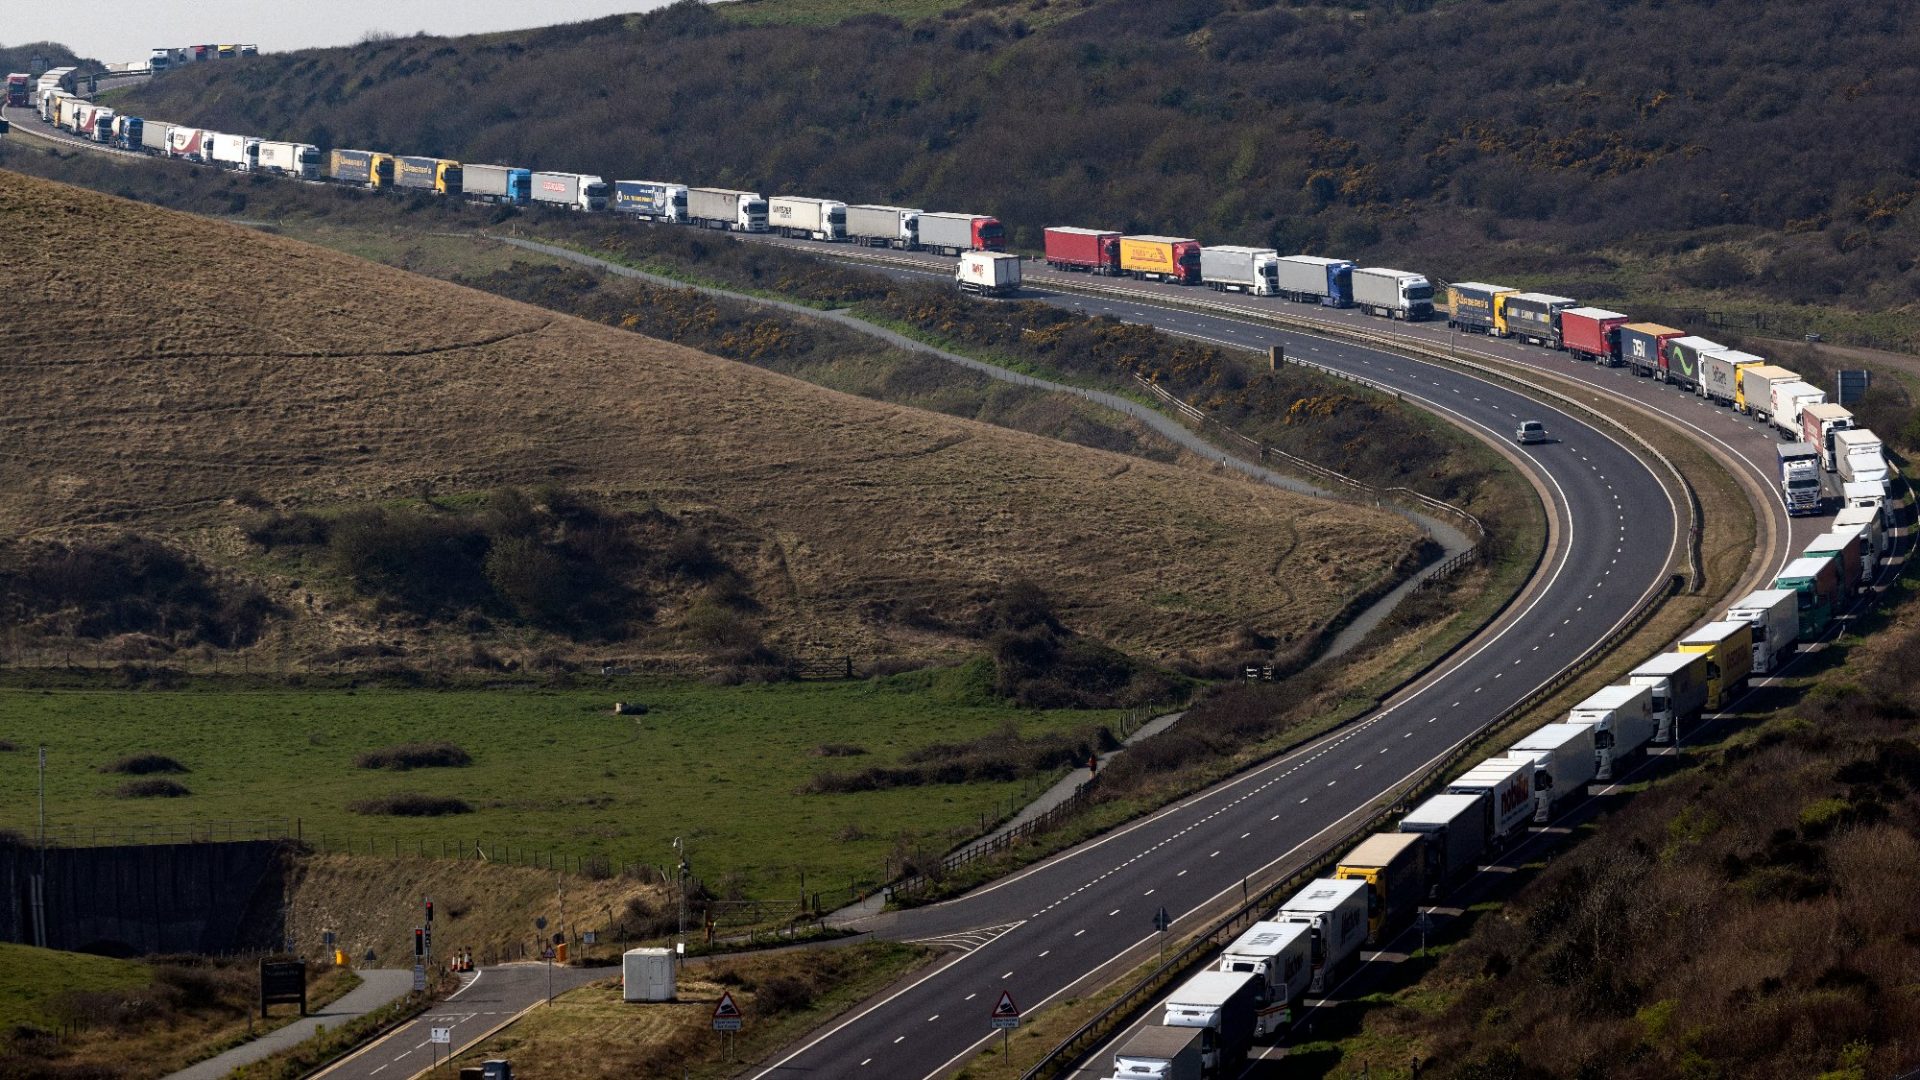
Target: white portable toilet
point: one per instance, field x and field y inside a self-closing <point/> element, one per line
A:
<point x="647" y="975"/>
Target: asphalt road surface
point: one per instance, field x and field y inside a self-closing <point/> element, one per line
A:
<point x="489" y="998"/>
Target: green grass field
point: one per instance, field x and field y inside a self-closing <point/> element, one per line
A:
<point x="552" y="770"/>
<point x="31" y="978"/>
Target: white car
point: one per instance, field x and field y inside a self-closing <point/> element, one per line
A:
<point x="1530" y="431"/>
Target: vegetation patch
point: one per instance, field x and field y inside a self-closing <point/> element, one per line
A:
<point x="1000" y="757"/>
<point x="144" y="764"/>
<point x="437" y="755"/>
<point x="127" y="585"/>
<point x="152" y="789"/>
<point x="411" y="804"/>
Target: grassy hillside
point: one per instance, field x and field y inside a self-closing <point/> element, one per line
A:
<point x="1676" y="153"/>
<point x="34" y="981"/>
<point x="174" y="405"/>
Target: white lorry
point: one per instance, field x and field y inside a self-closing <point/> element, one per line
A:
<point x="1860" y="459"/>
<point x="726" y="208"/>
<point x="1622" y="719"/>
<point x="884" y="226"/>
<point x="1161" y="1053"/>
<point x="988" y="273"/>
<point x="1250" y="270"/>
<point x="1457" y="827"/>
<point x="1860" y="495"/>
<point x="1281" y="954"/>
<point x="1220" y="1005"/>
<point x="1679" y="685"/>
<point x="1563" y="760"/>
<point x="1392" y="294"/>
<point x="573" y="191"/>
<point x="1868" y="518"/>
<point x="1799" y="477"/>
<point x="1775" y="615"/>
<point x="1788" y="399"/>
<point x="1508" y="788"/>
<point x="1336" y="912"/>
<point x="300" y="160"/>
<point x="807" y="219"/>
<point x="238" y="152"/>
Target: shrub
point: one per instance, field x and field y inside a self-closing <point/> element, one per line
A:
<point x="414" y="756"/>
<point x="144" y="765"/>
<point x="152" y="789"/>
<point x="128" y="585"/>
<point x="411" y="804"/>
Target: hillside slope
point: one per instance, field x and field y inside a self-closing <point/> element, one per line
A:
<point x="165" y="374"/>
<point x="1596" y="144"/>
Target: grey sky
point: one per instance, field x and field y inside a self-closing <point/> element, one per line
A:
<point x="122" y="30"/>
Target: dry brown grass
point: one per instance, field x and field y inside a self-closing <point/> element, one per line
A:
<point x="161" y="364"/>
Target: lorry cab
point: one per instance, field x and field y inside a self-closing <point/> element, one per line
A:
<point x="990" y="235"/>
<point x="594" y="193"/>
<point x="753" y="216"/>
<point x="1416" y="294"/>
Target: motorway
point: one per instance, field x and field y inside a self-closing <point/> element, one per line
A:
<point x="486" y="999"/>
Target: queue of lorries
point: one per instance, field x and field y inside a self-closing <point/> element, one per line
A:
<point x="1211" y="1022"/>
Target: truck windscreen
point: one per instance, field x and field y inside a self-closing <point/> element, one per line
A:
<point x="1420" y="292"/>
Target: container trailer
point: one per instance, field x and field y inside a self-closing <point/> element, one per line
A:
<point x="1457" y="828"/>
<point x="1250" y="270"/>
<point x="1336" y="912"/>
<point x="1775" y="617"/>
<point x="1393" y="865"/>
<point x="1720" y="374"/>
<point x="1392" y="294"/>
<point x="1681" y="365"/>
<point x="801" y="218"/>
<point x="884" y="226"/>
<point x="1868" y="518"/>
<point x="1820" y="423"/>
<point x="1220" y="1004"/>
<point x="1161" y="1053"/>
<point x="580" y="192"/>
<point x="1471" y="305"/>
<point x="497" y="184"/>
<point x="1172" y="259"/>
<point x="438" y="175"/>
<point x="1789" y="398"/>
<point x="1753" y="393"/>
<point x="1799" y="477"/>
<point x="988" y="273"/>
<point x="1859" y="458"/>
<point x="363" y="167"/>
<point x="300" y="160"/>
<point x="1310" y="279"/>
<point x="1092" y="251"/>
<point x="1508" y="788"/>
<point x="1816" y="587"/>
<point x="1281" y="955"/>
<point x="1678" y="682"/>
<point x="727" y="208"/>
<point x="238" y="152"/>
<point x="1845" y="549"/>
<point x="1864" y="495"/>
<point x="153" y="137"/>
<point x="1563" y="760"/>
<point x="951" y="234"/>
<point x="1642" y="343"/>
<point x="1865" y="536"/>
<point x="1728" y="646"/>
<point x="1533" y="317"/>
<point x="1622" y="719"/>
<point x="654" y="199"/>
<point x="1592" y="333"/>
<point x="188" y="144"/>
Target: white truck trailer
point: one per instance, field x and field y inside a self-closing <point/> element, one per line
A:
<point x="1508" y="787"/>
<point x="1457" y="828"/>
<point x="1250" y="270"/>
<point x="1161" y="1053"/>
<point x="802" y="218"/>
<point x="300" y="160"/>
<point x="1393" y="294"/>
<point x="726" y="208"/>
<point x="1875" y="529"/>
<point x="988" y="273"/>
<point x="884" y="226"/>
<point x="1622" y="719"/>
<point x="1563" y="759"/>
<point x="1679" y="685"/>
<point x="1281" y="954"/>
<point x="1221" y="1005"/>
<point x="1788" y="399"/>
<point x="1775" y="615"/>
<point x="238" y="152"/>
<point x="1859" y="458"/>
<point x="571" y="191"/>
<point x="1336" y="912"/>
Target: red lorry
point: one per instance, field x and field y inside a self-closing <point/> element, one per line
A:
<point x="1093" y="250"/>
<point x="1592" y="333"/>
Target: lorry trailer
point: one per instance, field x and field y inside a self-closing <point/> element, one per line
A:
<point x="1729" y="650"/>
<point x="497" y="184"/>
<point x="1789" y="399"/>
<point x="1641" y="345"/>
<point x="1682" y="367"/>
<point x="1592" y="333"/>
<point x="727" y="208"/>
<point x="153" y="137"/>
<point x="1862" y="495"/>
<point x="363" y="167"/>
<point x="1281" y="954"/>
<point x="1775" y="617"/>
<point x="1250" y="270"/>
<point x="1508" y="788"/>
<point x="1392" y="864"/>
<point x="569" y="191"/>
<point x="1533" y="317"/>
<point x="988" y="273"/>
<point x="1563" y="759"/>
<point x="1457" y="828"/>
<point x="1471" y="305"/>
<point x="1845" y="549"/>
<point x="654" y="199"/>
<point x="1799" y="477"/>
<point x="1869" y="555"/>
<point x="884" y="226"/>
<point x="1173" y="259"/>
<point x="1753" y="392"/>
<point x="1392" y="294"/>
<point x="290" y="159"/>
<point x="1859" y="458"/>
<point x="1336" y="912"/>
<point x="951" y="234"/>
<point x="238" y="152"/>
<point x="1872" y="526"/>
<point x="1310" y="279"/>
<point x="807" y="219"/>
<point x="1816" y="587"/>
<point x="1678" y="682"/>
<point x="1092" y="251"/>
<point x="1820" y="423"/>
<point x="1720" y="374"/>
<point x="1161" y="1053"/>
<point x="1221" y="1005"/>
<point x="1622" y="720"/>
<point x="441" y="176"/>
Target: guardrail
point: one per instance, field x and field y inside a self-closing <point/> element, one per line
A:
<point x="1098" y="1029"/>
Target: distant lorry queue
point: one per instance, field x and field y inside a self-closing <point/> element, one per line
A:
<point x="1722" y="375"/>
<point x="1310" y="941"/>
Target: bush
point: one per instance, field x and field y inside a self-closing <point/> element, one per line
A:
<point x="411" y="804"/>
<point x="144" y="765"/>
<point x="152" y="789"/>
<point x="414" y="756"/>
<point x="128" y="585"/>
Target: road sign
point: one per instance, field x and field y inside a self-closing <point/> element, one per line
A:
<point x="1005" y="1013"/>
<point x="419" y="977"/>
<point x="1162" y="920"/>
<point x="540" y="922"/>
<point x="327" y="938"/>
<point x="440" y="1035"/>
<point x="1852" y="386"/>
<point x="589" y="937"/>
<point x="726" y="1015"/>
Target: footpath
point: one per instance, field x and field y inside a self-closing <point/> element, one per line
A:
<point x="376" y="988"/>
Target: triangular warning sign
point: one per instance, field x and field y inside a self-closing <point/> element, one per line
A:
<point x="726" y="1010"/>
<point x="1006" y="1009"/>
